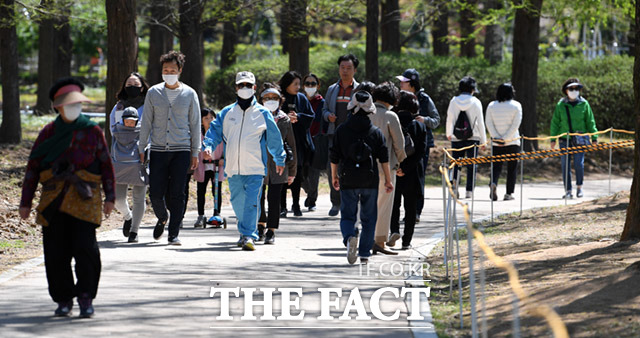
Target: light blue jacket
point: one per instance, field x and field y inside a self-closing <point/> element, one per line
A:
<point x="247" y="136"/>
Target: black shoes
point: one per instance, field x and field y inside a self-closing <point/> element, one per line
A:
<point x="283" y="212"/>
<point x="133" y="237"/>
<point x="86" y="306"/>
<point x="296" y="210"/>
<point x="126" y="227"/>
<point x="159" y="229"/>
<point x="260" y="233"/>
<point x="376" y="248"/>
<point x="64" y="309"/>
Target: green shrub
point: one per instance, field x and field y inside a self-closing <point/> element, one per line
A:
<point x="608" y="80"/>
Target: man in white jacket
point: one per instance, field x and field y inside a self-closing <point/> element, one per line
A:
<point x="248" y="131"/>
<point x="468" y="103"/>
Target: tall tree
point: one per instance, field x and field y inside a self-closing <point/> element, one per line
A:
<point x="371" y="54"/>
<point x="390" y="26"/>
<point x="10" y="129"/>
<point x="54" y="50"/>
<point x="295" y="34"/>
<point x="632" y="223"/>
<point x="524" y="68"/>
<point x="229" y="36"/>
<point x="440" y="29"/>
<point x="467" y="17"/>
<point x="494" y="36"/>
<point x="191" y="44"/>
<point x="122" y="49"/>
<point x="160" y="39"/>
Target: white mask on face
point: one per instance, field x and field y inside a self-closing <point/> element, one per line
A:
<point x="72" y="111"/>
<point x="170" y="79"/>
<point x="272" y="105"/>
<point x="246" y="93"/>
<point x="310" y="91"/>
<point x="573" y="94"/>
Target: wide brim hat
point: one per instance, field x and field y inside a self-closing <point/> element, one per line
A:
<point x="68" y="94"/>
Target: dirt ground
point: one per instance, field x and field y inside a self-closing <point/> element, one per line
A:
<point x="568" y="258"/>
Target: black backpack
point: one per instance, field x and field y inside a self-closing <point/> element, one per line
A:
<point x="409" y="146"/>
<point x="463" y="130"/>
<point x="359" y="163"/>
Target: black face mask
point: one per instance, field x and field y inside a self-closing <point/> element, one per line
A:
<point x="132" y="92"/>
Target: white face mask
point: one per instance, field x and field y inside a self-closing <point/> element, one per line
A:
<point x="72" y="111"/>
<point x="573" y="94"/>
<point x="246" y="93"/>
<point x="272" y="105"/>
<point x="310" y="91"/>
<point x="170" y="79"/>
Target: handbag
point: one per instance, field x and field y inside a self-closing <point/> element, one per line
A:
<point x="576" y="140"/>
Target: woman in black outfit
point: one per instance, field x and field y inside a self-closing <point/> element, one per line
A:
<point x="408" y="180"/>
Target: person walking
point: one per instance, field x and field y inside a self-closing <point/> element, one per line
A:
<point x="503" y="120"/>
<point x="70" y="157"/>
<point x="408" y="187"/>
<point x="301" y="115"/>
<point x="208" y="167"/>
<point x="272" y="99"/>
<point x="318" y="131"/>
<point x="385" y="96"/>
<point x="335" y="110"/>
<point x="474" y="130"/>
<point x="172" y="123"/>
<point x="573" y="114"/>
<point x="130" y="172"/>
<point x="249" y="131"/>
<point x="428" y="115"/>
<point x="357" y="144"/>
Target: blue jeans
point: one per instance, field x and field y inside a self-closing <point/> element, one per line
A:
<point x="349" y="199"/>
<point x="245" y="200"/>
<point x="578" y="166"/>
<point x="168" y="176"/>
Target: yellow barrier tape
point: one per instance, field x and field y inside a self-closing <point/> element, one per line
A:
<point x="544" y="311"/>
<point x="545" y="153"/>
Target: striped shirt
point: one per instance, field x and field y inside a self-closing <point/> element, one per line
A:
<point x="173" y="93"/>
<point x="344" y="96"/>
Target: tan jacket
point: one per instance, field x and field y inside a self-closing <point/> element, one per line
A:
<point x="389" y="124"/>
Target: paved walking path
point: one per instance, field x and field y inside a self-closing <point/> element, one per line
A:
<point x="151" y="289"/>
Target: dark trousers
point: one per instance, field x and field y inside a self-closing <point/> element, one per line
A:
<point x="202" y="190"/>
<point x="471" y="152"/>
<point x="406" y="189"/>
<point x="67" y="237"/>
<point x="421" y="175"/>
<point x="273" y="199"/>
<point x="512" y="167"/>
<point x="168" y="175"/>
<point x="295" y="190"/>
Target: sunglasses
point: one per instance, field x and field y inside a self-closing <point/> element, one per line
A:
<point x="573" y="88"/>
<point x="244" y="85"/>
<point x="311" y="84"/>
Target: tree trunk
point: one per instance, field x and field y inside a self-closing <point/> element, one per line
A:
<point x="45" y="61"/>
<point x="285" y="25"/>
<point x="160" y="40"/>
<point x="298" y="37"/>
<point x="494" y="36"/>
<point x="62" y="41"/>
<point x="229" y="42"/>
<point x="371" y="57"/>
<point x="10" y="129"/>
<point x="191" y="45"/>
<point x="440" y="30"/>
<point x="390" y="26"/>
<point x="122" y="49"/>
<point x="524" y="69"/>
<point x="632" y="223"/>
<point x="468" y="43"/>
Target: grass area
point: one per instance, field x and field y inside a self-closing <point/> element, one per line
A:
<point x="10" y="244"/>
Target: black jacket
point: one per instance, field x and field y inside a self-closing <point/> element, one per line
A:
<point x="430" y="113"/>
<point x="412" y="165"/>
<point x="348" y="133"/>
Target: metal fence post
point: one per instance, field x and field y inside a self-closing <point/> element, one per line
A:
<point x="521" y="175"/>
<point x="610" y="157"/>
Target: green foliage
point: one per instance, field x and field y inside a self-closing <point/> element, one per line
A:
<point x="608" y="80"/>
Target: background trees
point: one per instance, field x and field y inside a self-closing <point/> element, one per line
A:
<point x="10" y="129"/>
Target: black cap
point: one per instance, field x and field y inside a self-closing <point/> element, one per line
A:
<point x="130" y="113"/>
<point x="409" y="75"/>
